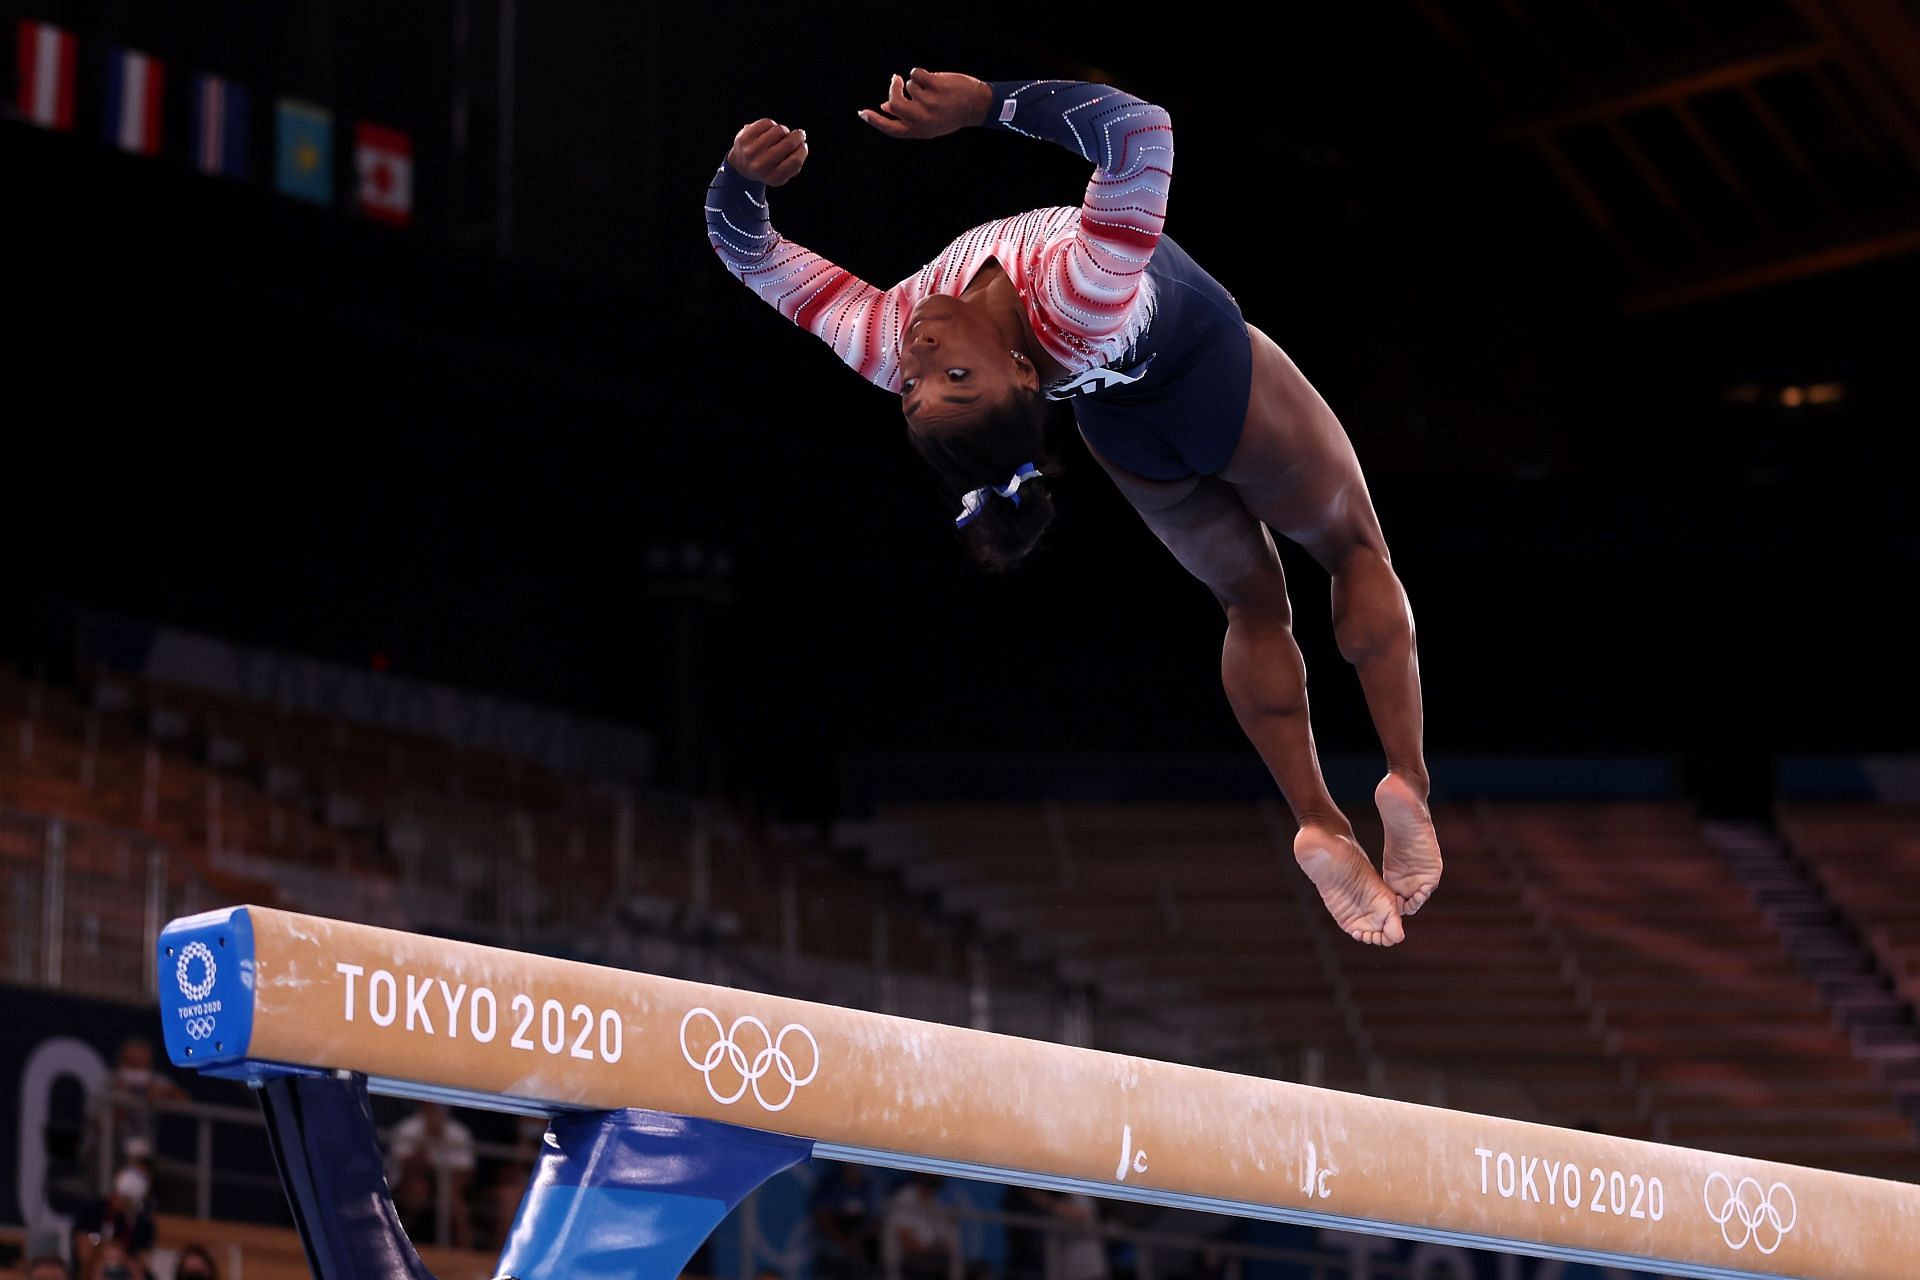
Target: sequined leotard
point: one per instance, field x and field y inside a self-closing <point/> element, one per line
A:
<point x="1158" y="359"/>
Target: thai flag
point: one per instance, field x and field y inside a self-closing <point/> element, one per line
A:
<point x="135" y="83"/>
<point x="46" y="74"/>
<point x="220" y="133"/>
<point x="384" y="160"/>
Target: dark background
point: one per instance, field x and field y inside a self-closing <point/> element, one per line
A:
<point x="456" y="446"/>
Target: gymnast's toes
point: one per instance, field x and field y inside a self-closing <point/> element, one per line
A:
<point x="1410" y="862"/>
<point x="1358" y="900"/>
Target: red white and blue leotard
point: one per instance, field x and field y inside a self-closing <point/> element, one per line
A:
<point x="1157" y="354"/>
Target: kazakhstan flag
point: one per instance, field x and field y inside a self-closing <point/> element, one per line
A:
<point x="303" y="168"/>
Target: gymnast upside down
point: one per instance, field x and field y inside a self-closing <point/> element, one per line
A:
<point x="1202" y="422"/>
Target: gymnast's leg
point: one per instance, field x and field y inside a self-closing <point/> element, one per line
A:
<point x="1373" y="625"/>
<point x="1207" y="528"/>
<point x="1266" y="684"/>
<point x="1296" y="470"/>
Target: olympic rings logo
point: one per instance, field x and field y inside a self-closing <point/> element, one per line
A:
<point x="1745" y="1213"/>
<point x="728" y="1055"/>
<point x="188" y="954"/>
<point x="199" y="1028"/>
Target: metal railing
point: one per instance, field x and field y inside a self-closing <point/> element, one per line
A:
<point x="107" y="1143"/>
<point x="1154" y="1254"/>
<point x="86" y="903"/>
<point x="203" y="1176"/>
<point x="649" y="888"/>
<point x="1149" y="1254"/>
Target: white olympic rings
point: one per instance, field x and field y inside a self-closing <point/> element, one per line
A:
<point x="188" y="954"/>
<point x="771" y="1057"/>
<point x="199" y="1028"/>
<point x="1745" y="1213"/>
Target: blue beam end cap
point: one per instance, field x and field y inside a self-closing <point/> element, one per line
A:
<point x="207" y="975"/>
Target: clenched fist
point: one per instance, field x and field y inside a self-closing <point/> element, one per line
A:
<point x="765" y="151"/>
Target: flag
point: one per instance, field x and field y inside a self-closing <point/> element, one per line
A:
<point x="135" y="85"/>
<point x="220" y="131"/>
<point x="46" y="74"/>
<point x="384" y="160"/>
<point x="303" y="167"/>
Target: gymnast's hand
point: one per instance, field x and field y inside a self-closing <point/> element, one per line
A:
<point x="768" y="152"/>
<point x="930" y="104"/>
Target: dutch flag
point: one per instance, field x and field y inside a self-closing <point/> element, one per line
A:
<point x="46" y="74"/>
<point x="220" y="131"/>
<point x="134" y="86"/>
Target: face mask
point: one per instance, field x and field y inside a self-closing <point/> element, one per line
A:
<point x="115" y="1271"/>
<point x="130" y="1185"/>
<point x="135" y="1077"/>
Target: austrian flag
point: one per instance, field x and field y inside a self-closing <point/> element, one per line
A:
<point x="384" y="160"/>
<point x="46" y="74"/>
<point x="134" y="86"/>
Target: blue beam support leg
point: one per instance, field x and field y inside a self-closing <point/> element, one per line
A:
<point x="622" y="1194"/>
<point x="630" y="1194"/>
<point x="321" y="1128"/>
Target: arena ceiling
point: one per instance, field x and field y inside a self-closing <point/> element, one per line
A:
<point x="1711" y="147"/>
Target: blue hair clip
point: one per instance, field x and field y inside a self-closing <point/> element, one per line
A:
<point x="972" y="504"/>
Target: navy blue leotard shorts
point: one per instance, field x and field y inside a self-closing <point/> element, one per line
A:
<point x="1176" y="406"/>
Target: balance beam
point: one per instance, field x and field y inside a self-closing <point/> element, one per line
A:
<point x="253" y="993"/>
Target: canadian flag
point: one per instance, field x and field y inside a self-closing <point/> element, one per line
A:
<point x="46" y="74"/>
<point x="384" y="159"/>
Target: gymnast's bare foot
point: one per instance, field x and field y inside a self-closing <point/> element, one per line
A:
<point x="1410" y="863"/>
<point x="1360" y="901"/>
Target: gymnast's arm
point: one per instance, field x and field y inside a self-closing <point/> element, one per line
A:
<point x="853" y="317"/>
<point x="1128" y="140"/>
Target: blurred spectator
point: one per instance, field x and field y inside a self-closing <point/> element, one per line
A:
<point x="1081" y="1249"/>
<point x="426" y="1149"/>
<point x="415" y="1200"/>
<point x="114" y="1261"/>
<point x="919" y="1238"/>
<point x="1070" y="1247"/>
<point x="124" y="1104"/>
<point x="1027" y="1243"/>
<point x="48" y="1267"/>
<point x="195" y="1263"/>
<point x="500" y="1200"/>
<point x="529" y="1136"/>
<point x="845" y="1208"/>
<point x="506" y="1184"/>
<point x="1123" y="1254"/>
<point x="1196" y="1259"/>
<point x="120" y="1222"/>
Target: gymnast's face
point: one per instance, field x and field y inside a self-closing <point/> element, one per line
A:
<point x="954" y="362"/>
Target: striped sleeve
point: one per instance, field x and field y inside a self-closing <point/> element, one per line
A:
<point x="853" y="317"/>
<point x="1094" y="283"/>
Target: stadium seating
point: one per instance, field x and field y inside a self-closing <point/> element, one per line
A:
<point x="1587" y="964"/>
<point x="336" y="818"/>
<point x="1867" y="857"/>
<point x="269" y="1252"/>
<point x="1592" y="965"/>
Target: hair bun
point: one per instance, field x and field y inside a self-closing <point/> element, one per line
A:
<point x="1005" y="534"/>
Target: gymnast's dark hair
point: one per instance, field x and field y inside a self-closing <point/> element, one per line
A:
<point x="986" y="450"/>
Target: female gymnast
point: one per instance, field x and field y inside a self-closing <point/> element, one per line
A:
<point x="1202" y="422"/>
